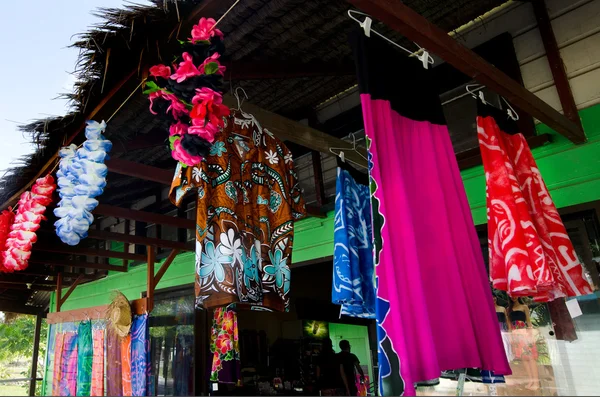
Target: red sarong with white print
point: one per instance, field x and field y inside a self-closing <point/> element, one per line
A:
<point x="530" y="251"/>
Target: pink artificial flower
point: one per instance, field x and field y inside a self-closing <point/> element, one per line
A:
<point x="27" y="217"/>
<point x="177" y="108"/>
<point x="207" y="94"/>
<point x="203" y="130"/>
<point x="204" y="30"/>
<point x="180" y="154"/>
<point x="153" y="96"/>
<point x="213" y="58"/>
<point x="160" y="71"/>
<point x="186" y="69"/>
<point x="178" y="129"/>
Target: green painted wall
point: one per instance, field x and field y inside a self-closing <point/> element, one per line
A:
<point x="572" y="173"/>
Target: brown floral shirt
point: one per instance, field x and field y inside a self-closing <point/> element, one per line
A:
<point x="248" y="200"/>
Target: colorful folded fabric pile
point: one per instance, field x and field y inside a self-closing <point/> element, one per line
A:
<point x="81" y="178"/>
<point x="30" y="214"/>
<point x="190" y="96"/>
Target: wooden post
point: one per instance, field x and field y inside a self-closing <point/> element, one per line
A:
<point x="59" y="280"/>
<point x="36" y="352"/>
<point x="556" y="64"/>
<point x="150" y="278"/>
<point x="318" y="175"/>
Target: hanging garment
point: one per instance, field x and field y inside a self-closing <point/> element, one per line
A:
<point x="224" y="346"/>
<point x="68" y="381"/>
<point x="139" y="354"/>
<point x="58" y="354"/>
<point x="85" y="358"/>
<point x="183" y="365"/>
<point x="353" y="267"/>
<point x="98" y="364"/>
<point x="126" y="365"/>
<point x="248" y="200"/>
<point x="434" y="306"/>
<point x="530" y="251"/>
<point x="113" y="364"/>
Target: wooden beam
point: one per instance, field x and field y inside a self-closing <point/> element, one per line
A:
<point x="36" y="350"/>
<point x="90" y="252"/>
<point x="58" y="292"/>
<point x="164" y="267"/>
<point x="293" y="131"/>
<point x="24" y="287"/>
<point x="150" y="278"/>
<point x="138" y="306"/>
<point x="139" y="240"/>
<point x="142" y="216"/>
<point x="274" y="69"/>
<point x="141" y="171"/>
<point x="12" y="307"/>
<point x="318" y="176"/>
<point x="415" y="27"/>
<point x="83" y="265"/>
<point x="556" y="64"/>
<point x="78" y="280"/>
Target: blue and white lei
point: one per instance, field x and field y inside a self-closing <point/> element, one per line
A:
<point x="81" y="177"/>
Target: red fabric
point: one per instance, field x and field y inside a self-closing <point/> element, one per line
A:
<point x="530" y="251"/>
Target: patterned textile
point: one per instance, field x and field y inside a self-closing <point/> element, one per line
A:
<point x="58" y="353"/>
<point x="113" y="364"/>
<point x="530" y="251"/>
<point x="68" y="370"/>
<point x="98" y="364"/>
<point x="85" y="358"/>
<point x="126" y="365"/>
<point x="429" y="266"/>
<point x="248" y="200"/>
<point x="353" y="267"/>
<point x="224" y="347"/>
<point x="140" y="350"/>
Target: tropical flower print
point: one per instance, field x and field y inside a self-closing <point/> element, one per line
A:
<point x="196" y="174"/>
<point x="278" y="268"/>
<point x="231" y="244"/>
<point x="272" y="157"/>
<point x="225" y="347"/>
<point x="251" y="263"/>
<point x="218" y="149"/>
<point x="288" y="158"/>
<point x="213" y="261"/>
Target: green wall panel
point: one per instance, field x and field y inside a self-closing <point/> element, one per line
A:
<point x="572" y="173"/>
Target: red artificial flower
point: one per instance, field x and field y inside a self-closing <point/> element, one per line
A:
<point x="202" y="129"/>
<point x="208" y="105"/>
<point x="204" y="30"/>
<point x="160" y="71"/>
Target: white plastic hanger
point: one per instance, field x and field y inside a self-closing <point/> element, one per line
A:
<point x="512" y="114"/>
<point x="353" y="149"/>
<point x="239" y="107"/>
<point x="422" y="55"/>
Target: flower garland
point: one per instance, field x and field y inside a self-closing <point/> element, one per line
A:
<point x="30" y="213"/>
<point x="190" y="97"/>
<point x="81" y="178"/>
<point x="6" y="220"/>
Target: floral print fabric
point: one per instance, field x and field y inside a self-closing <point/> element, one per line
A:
<point x="68" y="370"/>
<point x="248" y="200"/>
<point x="353" y="266"/>
<point x="225" y="347"/>
<point x="84" y="358"/>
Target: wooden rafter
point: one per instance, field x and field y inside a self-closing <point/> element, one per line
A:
<point x="257" y="70"/>
<point x="140" y="240"/>
<point x="60" y="300"/>
<point x="415" y="27"/>
<point x="26" y="286"/>
<point x="154" y="279"/>
<point x="61" y="249"/>
<point x="143" y="216"/>
<point x="78" y="264"/>
<point x="13" y="307"/>
<point x="137" y="170"/>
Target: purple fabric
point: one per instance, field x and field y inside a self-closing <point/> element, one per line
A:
<point x="431" y="275"/>
<point x="139" y="355"/>
<point x="68" y="381"/>
<point x="114" y="386"/>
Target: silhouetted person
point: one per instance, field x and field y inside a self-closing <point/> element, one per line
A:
<point x="349" y="363"/>
<point x="329" y="371"/>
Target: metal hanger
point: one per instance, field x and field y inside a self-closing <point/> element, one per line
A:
<point x="342" y="156"/>
<point x="422" y="55"/>
<point x="239" y="107"/>
<point x="512" y="114"/>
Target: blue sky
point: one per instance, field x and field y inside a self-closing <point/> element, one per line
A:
<point x="35" y="63"/>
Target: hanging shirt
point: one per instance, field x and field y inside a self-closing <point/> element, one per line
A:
<point x="248" y="200"/>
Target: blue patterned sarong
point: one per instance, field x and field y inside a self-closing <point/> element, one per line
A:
<point x="353" y="266"/>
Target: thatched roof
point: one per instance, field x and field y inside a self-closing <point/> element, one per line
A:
<point x="297" y="31"/>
